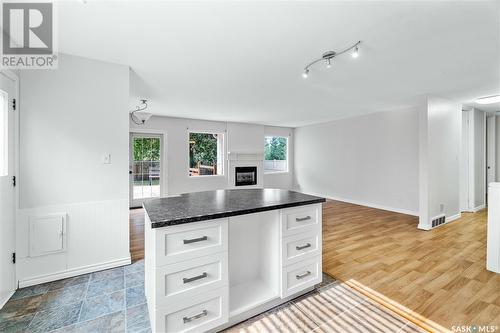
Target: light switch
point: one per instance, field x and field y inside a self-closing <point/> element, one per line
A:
<point x="106" y="158"/>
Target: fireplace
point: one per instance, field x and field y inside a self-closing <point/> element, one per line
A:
<point x="245" y="176"/>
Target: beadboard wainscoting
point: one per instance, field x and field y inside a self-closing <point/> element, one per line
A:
<point x="95" y="236"/>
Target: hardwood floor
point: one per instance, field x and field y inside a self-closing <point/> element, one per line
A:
<point x="435" y="278"/>
<point x="136" y="219"/>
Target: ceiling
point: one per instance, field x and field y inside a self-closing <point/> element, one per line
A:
<point x="242" y="61"/>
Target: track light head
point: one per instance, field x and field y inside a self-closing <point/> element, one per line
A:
<point x="328" y="63"/>
<point x="355" y="54"/>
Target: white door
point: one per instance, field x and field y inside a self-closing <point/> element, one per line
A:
<point x="490" y="150"/>
<point x="145" y="167"/>
<point x="7" y="196"/>
<point x="464" y="164"/>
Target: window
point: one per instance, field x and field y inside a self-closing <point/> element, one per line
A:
<point x="4" y="134"/>
<point x="276" y="154"/>
<point x="205" y="154"/>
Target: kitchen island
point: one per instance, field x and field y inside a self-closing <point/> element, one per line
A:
<point x="215" y="258"/>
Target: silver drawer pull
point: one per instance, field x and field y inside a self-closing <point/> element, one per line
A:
<point x="194" y="278"/>
<point x="303" y="246"/>
<point x="303" y="275"/>
<point x="198" y="316"/>
<point x="194" y="240"/>
<point x="301" y="219"/>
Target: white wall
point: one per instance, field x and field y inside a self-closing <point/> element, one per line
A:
<point x="370" y="160"/>
<point x="70" y="117"/>
<point x="238" y="137"/>
<point x="440" y="136"/>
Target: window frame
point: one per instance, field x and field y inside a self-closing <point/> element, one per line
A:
<point x="220" y="150"/>
<point x="4" y="139"/>
<point x="287" y="155"/>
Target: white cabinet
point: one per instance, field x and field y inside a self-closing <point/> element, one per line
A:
<point x="191" y="240"/>
<point x="300" y="276"/>
<point x="186" y="269"/>
<point x="204" y="275"/>
<point x="300" y="248"/>
<point x="300" y="219"/>
<point x="187" y="278"/>
<point x="195" y="314"/>
<point x="47" y="234"/>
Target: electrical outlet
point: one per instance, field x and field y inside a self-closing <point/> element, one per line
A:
<point x="441" y="208"/>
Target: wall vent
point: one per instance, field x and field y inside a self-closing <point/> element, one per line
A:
<point x="438" y="220"/>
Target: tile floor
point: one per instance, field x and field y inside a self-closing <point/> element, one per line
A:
<point x="107" y="301"/>
<point x="113" y="301"/>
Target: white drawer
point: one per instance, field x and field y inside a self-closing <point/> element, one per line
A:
<point x="300" y="276"/>
<point x="188" y="278"/>
<point x="196" y="314"/>
<point x="190" y="240"/>
<point x="299" y="247"/>
<point x="300" y="219"/>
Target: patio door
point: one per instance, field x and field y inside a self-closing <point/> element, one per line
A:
<point x="146" y="153"/>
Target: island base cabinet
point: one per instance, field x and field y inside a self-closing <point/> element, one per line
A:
<point x="199" y="313"/>
<point x="208" y="275"/>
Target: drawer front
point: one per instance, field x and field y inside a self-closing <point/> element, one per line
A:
<point x="191" y="240"/>
<point x="300" y="219"/>
<point x="300" y="276"/>
<point x="299" y="247"/>
<point x="188" y="278"/>
<point x="199" y="314"/>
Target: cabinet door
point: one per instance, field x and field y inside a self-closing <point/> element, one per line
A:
<point x="47" y="234"/>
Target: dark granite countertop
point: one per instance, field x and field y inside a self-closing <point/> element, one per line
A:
<point x="200" y="206"/>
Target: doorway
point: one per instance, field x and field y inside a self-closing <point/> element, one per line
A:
<point x="146" y="176"/>
<point x="8" y="92"/>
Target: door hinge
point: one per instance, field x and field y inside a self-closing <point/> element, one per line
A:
<point x="13" y="104"/>
<point x="14" y="182"/>
<point x="13" y="257"/>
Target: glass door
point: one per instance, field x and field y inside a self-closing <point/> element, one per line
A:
<point x="145" y="167"/>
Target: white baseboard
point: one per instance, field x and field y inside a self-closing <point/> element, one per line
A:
<point x="453" y="217"/>
<point x="369" y="204"/>
<point x="478" y="208"/>
<point x="74" y="272"/>
<point x="3" y="301"/>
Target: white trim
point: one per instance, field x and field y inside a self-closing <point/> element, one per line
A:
<point x="453" y="218"/>
<point x="9" y="74"/>
<point x="224" y="152"/>
<point x="371" y="205"/>
<point x="4" y="301"/>
<point x="163" y="159"/>
<point x="478" y="208"/>
<point x="74" y="272"/>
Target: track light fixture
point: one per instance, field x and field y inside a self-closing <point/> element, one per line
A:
<point x="329" y="55"/>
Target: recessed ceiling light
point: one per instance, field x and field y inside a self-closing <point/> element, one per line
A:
<point x="488" y="99"/>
